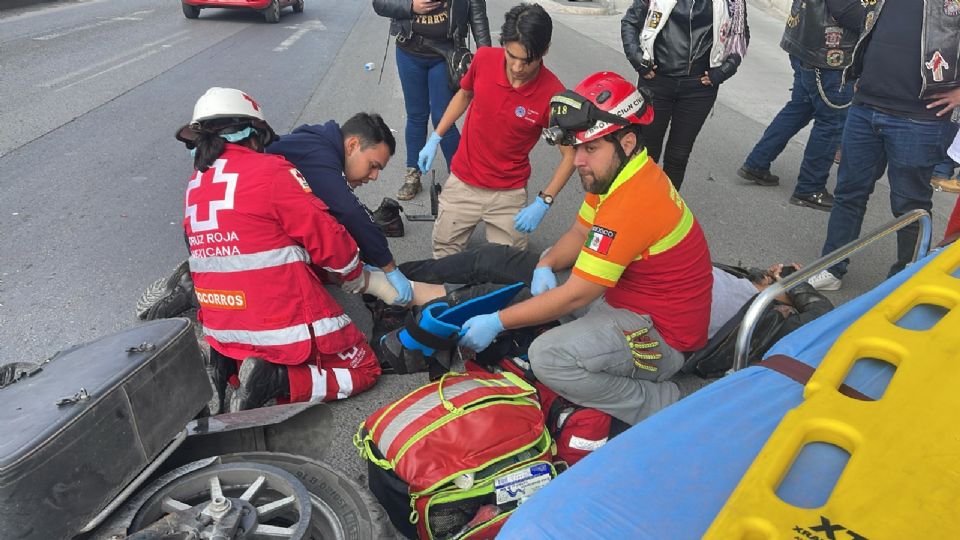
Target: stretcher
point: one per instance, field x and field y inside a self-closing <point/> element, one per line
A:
<point x="716" y="464"/>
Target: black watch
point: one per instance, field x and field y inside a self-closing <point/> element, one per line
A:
<point x="546" y="198"/>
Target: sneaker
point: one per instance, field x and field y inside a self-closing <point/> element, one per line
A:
<point x="260" y="382"/>
<point x="821" y="200"/>
<point x="764" y="178"/>
<point x="945" y="184"/>
<point x="219" y="370"/>
<point x="169" y="296"/>
<point x="387" y="217"/>
<point x="825" y="281"/>
<point x="411" y="185"/>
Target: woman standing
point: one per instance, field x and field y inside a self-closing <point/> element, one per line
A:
<point x="683" y="50"/>
<point x="424" y="29"/>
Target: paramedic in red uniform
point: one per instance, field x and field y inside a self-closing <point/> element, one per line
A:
<point x="640" y="262"/>
<point x="261" y="247"/>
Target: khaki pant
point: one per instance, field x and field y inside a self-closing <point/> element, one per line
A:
<point x="463" y="206"/>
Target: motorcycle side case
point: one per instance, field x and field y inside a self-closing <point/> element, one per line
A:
<point x="61" y="464"/>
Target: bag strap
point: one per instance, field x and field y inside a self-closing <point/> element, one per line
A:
<point x="432" y="341"/>
<point x="801" y="373"/>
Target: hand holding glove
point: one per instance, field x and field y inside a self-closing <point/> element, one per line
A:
<point x="543" y="280"/>
<point x="480" y="331"/>
<point x="429" y="151"/>
<point x="529" y="218"/>
<point x="402" y="285"/>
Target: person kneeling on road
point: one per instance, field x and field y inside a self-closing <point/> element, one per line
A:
<point x="654" y="273"/>
<point x="261" y="247"/>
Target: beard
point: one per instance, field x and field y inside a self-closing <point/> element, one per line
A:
<point x="597" y="186"/>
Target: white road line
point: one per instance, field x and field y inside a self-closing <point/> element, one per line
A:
<point x="47" y="10"/>
<point x="109" y="61"/>
<point x="315" y="24"/>
<point x="121" y="64"/>
<point x="130" y="17"/>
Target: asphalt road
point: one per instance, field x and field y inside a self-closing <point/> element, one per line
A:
<point x="92" y="179"/>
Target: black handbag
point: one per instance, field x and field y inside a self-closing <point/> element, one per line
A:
<point x="457" y="57"/>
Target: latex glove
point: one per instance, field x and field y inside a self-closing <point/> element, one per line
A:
<point x="402" y="285"/>
<point x="428" y="152"/>
<point x="543" y="280"/>
<point x="530" y="217"/>
<point x="480" y="331"/>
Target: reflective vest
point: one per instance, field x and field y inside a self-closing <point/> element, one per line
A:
<point x="259" y="241"/>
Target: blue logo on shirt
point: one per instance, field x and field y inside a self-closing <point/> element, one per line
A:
<point x="520" y="111"/>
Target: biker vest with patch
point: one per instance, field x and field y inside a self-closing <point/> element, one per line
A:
<point x="816" y="38"/>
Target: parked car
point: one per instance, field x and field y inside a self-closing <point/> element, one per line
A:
<point x="270" y="8"/>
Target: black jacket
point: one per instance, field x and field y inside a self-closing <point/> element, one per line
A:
<point x="823" y="33"/>
<point x="940" y="34"/>
<point x="317" y="152"/>
<point x="463" y="13"/>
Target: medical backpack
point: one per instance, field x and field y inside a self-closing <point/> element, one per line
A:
<point x="454" y="458"/>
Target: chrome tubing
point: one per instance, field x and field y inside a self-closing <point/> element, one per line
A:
<point x="752" y="317"/>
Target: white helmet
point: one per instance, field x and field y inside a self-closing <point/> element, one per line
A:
<point x="225" y="103"/>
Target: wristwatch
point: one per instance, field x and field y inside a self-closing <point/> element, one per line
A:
<point x="546" y="198"/>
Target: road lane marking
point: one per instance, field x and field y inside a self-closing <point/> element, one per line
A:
<point x="129" y="17"/>
<point x="122" y="64"/>
<point x="109" y="61"/>
<point x="315" y="24"/>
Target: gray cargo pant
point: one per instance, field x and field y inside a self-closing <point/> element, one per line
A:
<point x="589" y="362"/>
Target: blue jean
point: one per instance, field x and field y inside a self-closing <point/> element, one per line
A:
<point x="908" y="149"/>
<point x="426" y="94"/>
<point x="806" y="104"/>
<point x="945" y="169"/>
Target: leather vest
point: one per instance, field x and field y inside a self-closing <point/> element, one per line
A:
<point x="940" y="36"/>
<point x="816" y="38"/>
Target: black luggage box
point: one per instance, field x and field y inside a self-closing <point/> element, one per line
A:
<point x="61" y="465"/>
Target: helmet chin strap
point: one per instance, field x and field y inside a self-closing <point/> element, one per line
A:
<point x="624" y="158"/>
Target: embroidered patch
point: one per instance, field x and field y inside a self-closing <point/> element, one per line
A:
<point x="936" y="65"/>
<point x="835" y="58"/>
<point x="520" y="111"/>
<point x="600" y="240"/>
<point x="951" y="8"/>
<point x="832" y="36"/>
<point x="653" y="19"/>
<point x="298" y="176"/>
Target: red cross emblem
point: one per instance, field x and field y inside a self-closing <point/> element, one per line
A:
<point x="208" y="193"/>
<point x="936" y="65"/>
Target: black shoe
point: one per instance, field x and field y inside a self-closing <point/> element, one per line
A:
<point x="764" y="178"/>
<point x="387" y="216"/>
<point x="168" y="297"/>
<point x="260" y="382"/>
<point x="386" y="318"/>
<point x="821" y="200"/>
<point x="219" y="369"/>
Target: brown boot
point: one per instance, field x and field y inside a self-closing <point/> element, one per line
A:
<point x="945" y="184"/>
<point x="411" y="185"/>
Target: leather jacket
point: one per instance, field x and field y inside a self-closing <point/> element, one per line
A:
<point x="681" y="37"/>
<point x="463" y="13"/>
<point x="940" y="36"/>
<point x="823" y="33"/>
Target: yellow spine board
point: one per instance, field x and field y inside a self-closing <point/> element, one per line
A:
<point x="902" y="479"/>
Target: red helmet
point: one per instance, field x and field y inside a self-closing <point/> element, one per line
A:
<point x="601" y="104"/>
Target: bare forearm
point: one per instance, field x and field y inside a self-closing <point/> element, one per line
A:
<point x="564" y="253"/>
<point x="563" y="173"/>
<point x="545" y="307"/>
<point x="458" y="105"/>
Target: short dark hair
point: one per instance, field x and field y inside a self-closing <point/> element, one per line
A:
<point x="370" y="129"/>
<point x="529" y="25"/>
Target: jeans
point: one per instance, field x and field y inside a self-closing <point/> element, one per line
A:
<point x="486" y="263"/>
<point x="806" y="104"/>
<point x="908" y="149"/>
<point x="426" y="93"/>
<point x="945" y="169"/>
<point x="683" y="103"/>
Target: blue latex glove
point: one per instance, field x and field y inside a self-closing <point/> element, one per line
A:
<point x="530" y="217"/>
<point x="402" y="285"/>
<point x="543" y="280"/>
<point x="480" y="331"/>
<point x="428" y="152"/>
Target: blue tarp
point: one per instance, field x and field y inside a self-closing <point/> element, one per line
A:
<point x="669" y="476"/>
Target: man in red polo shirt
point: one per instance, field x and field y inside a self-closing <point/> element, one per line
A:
<point x="508" y="90"/>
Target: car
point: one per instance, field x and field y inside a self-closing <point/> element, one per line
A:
<point x="270" y="8"/>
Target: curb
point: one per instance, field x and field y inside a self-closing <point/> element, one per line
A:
<point x="591" y="7"/>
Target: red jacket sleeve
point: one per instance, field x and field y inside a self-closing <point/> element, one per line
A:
<point x="306" y="219"/>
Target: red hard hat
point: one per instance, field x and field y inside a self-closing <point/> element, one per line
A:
<point x="612" y="93"/>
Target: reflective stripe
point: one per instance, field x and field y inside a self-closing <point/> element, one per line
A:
<point x="280" y="336"/>
<point x="597" y="267"/>
<point x="344" y="382"/>
<point x="676" y="235"/>
<point x="346" y="269"/>
<point x="329" y="325"/>
<point x="628" y="171"/>
<point x="250" y="261"/>
<point x="415" y="411"/>
<point x="587" y="212"/>
<point x="318" y="384"/>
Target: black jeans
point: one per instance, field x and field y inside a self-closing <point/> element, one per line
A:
<point x="683" y="103"/>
